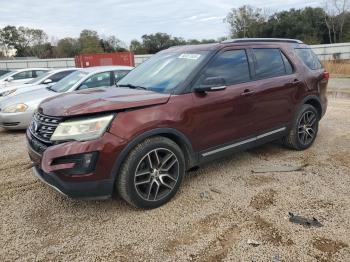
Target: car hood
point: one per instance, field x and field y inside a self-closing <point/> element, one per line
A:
<point x="19" y="89"/>
<point x="99" y="100"/>
<point x="31" y="98"/>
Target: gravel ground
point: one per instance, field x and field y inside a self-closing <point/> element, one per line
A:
<point x="220" y="209"/>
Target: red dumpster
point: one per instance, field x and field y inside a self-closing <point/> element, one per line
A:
<point x="105" y="59"/>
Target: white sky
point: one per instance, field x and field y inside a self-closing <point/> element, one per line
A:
<point x="130" y="19"/>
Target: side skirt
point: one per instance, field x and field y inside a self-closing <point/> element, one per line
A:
<point x="240" y="145"/>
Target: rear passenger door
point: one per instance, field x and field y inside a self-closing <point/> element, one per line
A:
<point x="275" y="85"/>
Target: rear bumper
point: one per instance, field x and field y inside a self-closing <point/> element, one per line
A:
<point x="87" y="190"/>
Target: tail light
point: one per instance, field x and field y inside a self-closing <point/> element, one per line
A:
<point x="326" y="75"/>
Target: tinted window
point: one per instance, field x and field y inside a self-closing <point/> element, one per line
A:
<point x="120" y="74"/>
<point x="23" y="75"/>
<point x="288" y="66"/>
<point x="309" y="58"/>
<point x="58" y="76"/>
<point x="101" y="79"/>
<point x="269" y="63"/>
<point x="231" y="66"/>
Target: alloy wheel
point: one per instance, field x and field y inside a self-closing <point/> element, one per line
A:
<point x="156" y="174"/>
<point x="307" y="127"/>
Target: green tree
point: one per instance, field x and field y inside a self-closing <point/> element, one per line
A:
<point x="112" y="44"/>
<point x="245" y="21"/>
<point x="90" y="42"/>
<point x="67" y="47"/>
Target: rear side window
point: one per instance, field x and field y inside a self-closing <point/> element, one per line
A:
<point x="37" y="73"/>
<point x="120" y="74"/>
<point x="309" y="58"/>
<point x="23" y="75"/>
<point x="230" y="65"/>
<point x="268" y="63"/>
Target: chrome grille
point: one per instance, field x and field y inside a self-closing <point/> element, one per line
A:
<point x="42" y="127"/>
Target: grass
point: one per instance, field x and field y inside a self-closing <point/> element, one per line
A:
<point x="336" y="68"/>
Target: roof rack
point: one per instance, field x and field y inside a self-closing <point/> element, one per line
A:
<point x="244" y="40"/>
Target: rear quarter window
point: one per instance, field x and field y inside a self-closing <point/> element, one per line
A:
<point x="309" y="58"/>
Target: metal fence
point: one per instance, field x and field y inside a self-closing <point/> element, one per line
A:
<point x="325" y="52"/>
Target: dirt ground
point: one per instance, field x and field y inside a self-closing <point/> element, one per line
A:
<point x="223" y="212"/>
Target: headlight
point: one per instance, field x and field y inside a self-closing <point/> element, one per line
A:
<point x="83" y="129"/>
<point x="6" y="93"/>
<point x="17" y="108"/>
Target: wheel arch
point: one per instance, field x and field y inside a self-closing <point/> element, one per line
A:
<point x="173" y="134"/>
<point x="315" y="102"/>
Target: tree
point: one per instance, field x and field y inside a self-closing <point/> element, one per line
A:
<point x="112" y="44"/>
<point x="336" y="12"/>
<point x="245" y="21"/>
<point x="67" y="47"/>
<point x="90" y="42"/>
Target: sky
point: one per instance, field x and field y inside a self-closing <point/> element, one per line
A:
<point x="130" y="19"/>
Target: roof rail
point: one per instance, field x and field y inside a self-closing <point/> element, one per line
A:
<point x="244" y="40"/>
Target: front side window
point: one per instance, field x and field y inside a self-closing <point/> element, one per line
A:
<point x="58" y="76"/>
<point x="164" y="71"/>
<point x="23" y="75"/>
<point x="231" y="65"/>
<point x="98" y="80"/>
<point x="309" y="58"/>
<point x="38" y="80"/>
<point x="68" y="82"/>
<point x="268" y="63"/>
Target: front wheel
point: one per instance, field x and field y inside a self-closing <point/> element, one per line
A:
<point x="152" y="173"/>
<point x="304" y="130"/>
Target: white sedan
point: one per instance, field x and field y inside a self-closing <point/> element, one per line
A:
<point x="20" y="76"/>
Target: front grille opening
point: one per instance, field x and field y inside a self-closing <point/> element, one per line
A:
<point x="43" y="127"/>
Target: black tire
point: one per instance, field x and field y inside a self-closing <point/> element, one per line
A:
<point x="299" y="137"/>
<point x="145" y="163"/>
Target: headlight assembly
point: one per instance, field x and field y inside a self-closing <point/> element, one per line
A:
<point x="82" y="129"/>
<point x="17" y="108"/>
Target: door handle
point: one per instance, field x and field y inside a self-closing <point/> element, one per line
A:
<point x="247" y="92"/>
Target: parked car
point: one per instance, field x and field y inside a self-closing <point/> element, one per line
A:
<point x="16" y="112"/>
<point x="3" y="71"/>
<point x="45" y="80"/>
<point x="20" y="76"/>
<point x="179" y="109"/>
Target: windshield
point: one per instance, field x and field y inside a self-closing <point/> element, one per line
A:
<point x="163" y="72"/>
<point x="6" y="75"/>
<point x="67" y="82"/>
<point x="39" y="79"/>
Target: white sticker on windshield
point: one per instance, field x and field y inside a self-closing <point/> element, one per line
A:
<point x="190" y="56"/>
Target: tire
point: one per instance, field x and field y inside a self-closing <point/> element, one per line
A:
<point x="152" y="173"/>
<point x="304" y="129"/>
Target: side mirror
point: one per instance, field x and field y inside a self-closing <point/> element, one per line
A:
<point x="211" y="84"/>
<point x="47" y="81"/>
<point x="83" y="87"/>
<point x="9" y="79"/>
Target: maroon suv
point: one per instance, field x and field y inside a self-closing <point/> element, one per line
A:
<point x="182" y="107"/>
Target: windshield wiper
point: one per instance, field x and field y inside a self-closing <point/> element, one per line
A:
<point x="133" y="86"/>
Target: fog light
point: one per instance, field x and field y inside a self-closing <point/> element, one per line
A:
<point x="83" y="163"/>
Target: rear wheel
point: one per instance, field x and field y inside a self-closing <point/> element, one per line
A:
<point x="152" y="173"/>
<point x="304" y="129"/>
